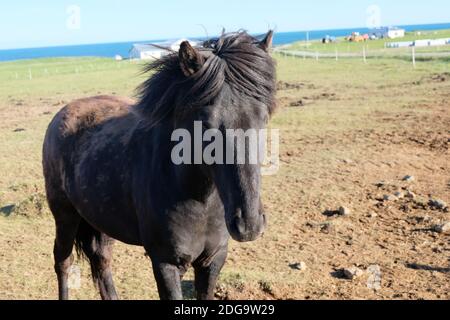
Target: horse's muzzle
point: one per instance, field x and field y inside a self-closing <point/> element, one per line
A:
<point x="246" y="230"/>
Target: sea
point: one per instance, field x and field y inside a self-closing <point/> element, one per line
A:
<point x="123" y="48"/>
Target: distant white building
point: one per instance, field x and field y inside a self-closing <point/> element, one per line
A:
<point x="156" y="50"/>
<point x="431" y="42"/>
<point x="394" y="33"/>
<point x="419" y="43"/>
<point x="145" y="52"/>
<point x="389" y="32"/>
<point x="438" y="42"/>
<point x="422" y="43"/>
<point x="399" y="44"/>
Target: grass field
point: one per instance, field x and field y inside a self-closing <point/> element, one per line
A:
<point x="353" y="126"/>
<point x="343" y="46"/>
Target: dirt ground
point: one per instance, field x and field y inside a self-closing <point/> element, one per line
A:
<point x="343" y="144"/>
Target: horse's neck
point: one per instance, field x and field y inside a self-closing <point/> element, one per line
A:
<point x="193" y="182"/>
<point x="190" y="181"/>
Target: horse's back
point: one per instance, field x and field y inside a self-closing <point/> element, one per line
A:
<point x="87" y="113"/>
<point x="77" y="118"/>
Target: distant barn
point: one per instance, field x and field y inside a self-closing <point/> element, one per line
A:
<point x="155" y="50"/>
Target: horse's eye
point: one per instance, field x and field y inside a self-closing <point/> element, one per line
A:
<point x="210" y="44"/>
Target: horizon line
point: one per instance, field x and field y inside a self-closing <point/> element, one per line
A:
<point x="202" y="37"/>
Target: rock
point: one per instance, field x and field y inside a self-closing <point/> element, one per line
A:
<point x="410" y="195"/>
<point x="327" y="228"/>
<point x="405" y="208"/>
<point x="438" y="204"/>
<point x="421" y="202"/>
<point x="399" y="195"/>
<point x="409" y="179"/>
<point x="381" y="184"/>
<point x="374" y="279"/>
<point x="310" y="225"/>
<point x="442" y="228"/>
<point x="281" y="85"/>
<point x="59" y="103"/>
<point x="300" y="266"/>
<point x="388" y="197"/>
<point x="372" y="215"/>
<point x="352" y="273"/>
<point x="344" y="211"/>
<point x="298" y="103"/>
<point x="7" y="210"/>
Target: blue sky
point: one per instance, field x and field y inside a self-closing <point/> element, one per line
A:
<point x="31" y="23"/>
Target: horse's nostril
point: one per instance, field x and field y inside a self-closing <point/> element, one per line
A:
<point x="238" y="214"/>
<point x="240" y="225"/>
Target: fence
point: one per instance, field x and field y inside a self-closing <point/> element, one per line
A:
<point x="32" y="71"/>
<point x="411" y="54"/>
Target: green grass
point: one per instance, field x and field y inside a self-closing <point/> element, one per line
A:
<point x="63" y="76"/>
<point x="306" y="185"/>
<point x="343" y="46"/>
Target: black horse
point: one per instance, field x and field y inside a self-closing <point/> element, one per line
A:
<point x="109" y="172"/>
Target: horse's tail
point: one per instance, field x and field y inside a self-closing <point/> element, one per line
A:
<point x="85" y="239"/>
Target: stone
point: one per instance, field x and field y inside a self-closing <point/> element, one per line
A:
<point x="442" y="228"/>
<point x="7" y="210"/>
<point x="374" y="279"/>
<point x="372" y="215"/>
<point x="352" y="273"/>
<point x="410" y="195"/>
<point x="327" y="228"/>
<point x="399" y="195"/>
<point x="299" y="103"/>
<point x="421" y="201"/>
<point x="344" y="211"/>
<point x="409" y="179"/>
<point x="389" y="197"/>
<point x="300" y="266"/>
<point x="438" y="204"/>
<point x="381" y="184"/>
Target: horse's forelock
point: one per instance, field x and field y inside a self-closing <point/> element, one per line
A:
<point x="234" y="58"/>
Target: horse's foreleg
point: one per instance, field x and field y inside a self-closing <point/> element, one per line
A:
<point x="168" y="279"/>
<point x="206" y="275"/>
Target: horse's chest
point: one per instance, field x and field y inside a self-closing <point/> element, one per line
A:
<point x="189" y="231"/>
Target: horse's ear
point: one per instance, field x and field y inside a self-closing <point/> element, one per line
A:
<point x="191" y="60"/>
<point x="267" y="42"/>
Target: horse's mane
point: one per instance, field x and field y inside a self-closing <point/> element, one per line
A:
<point x="235" y="59"/>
